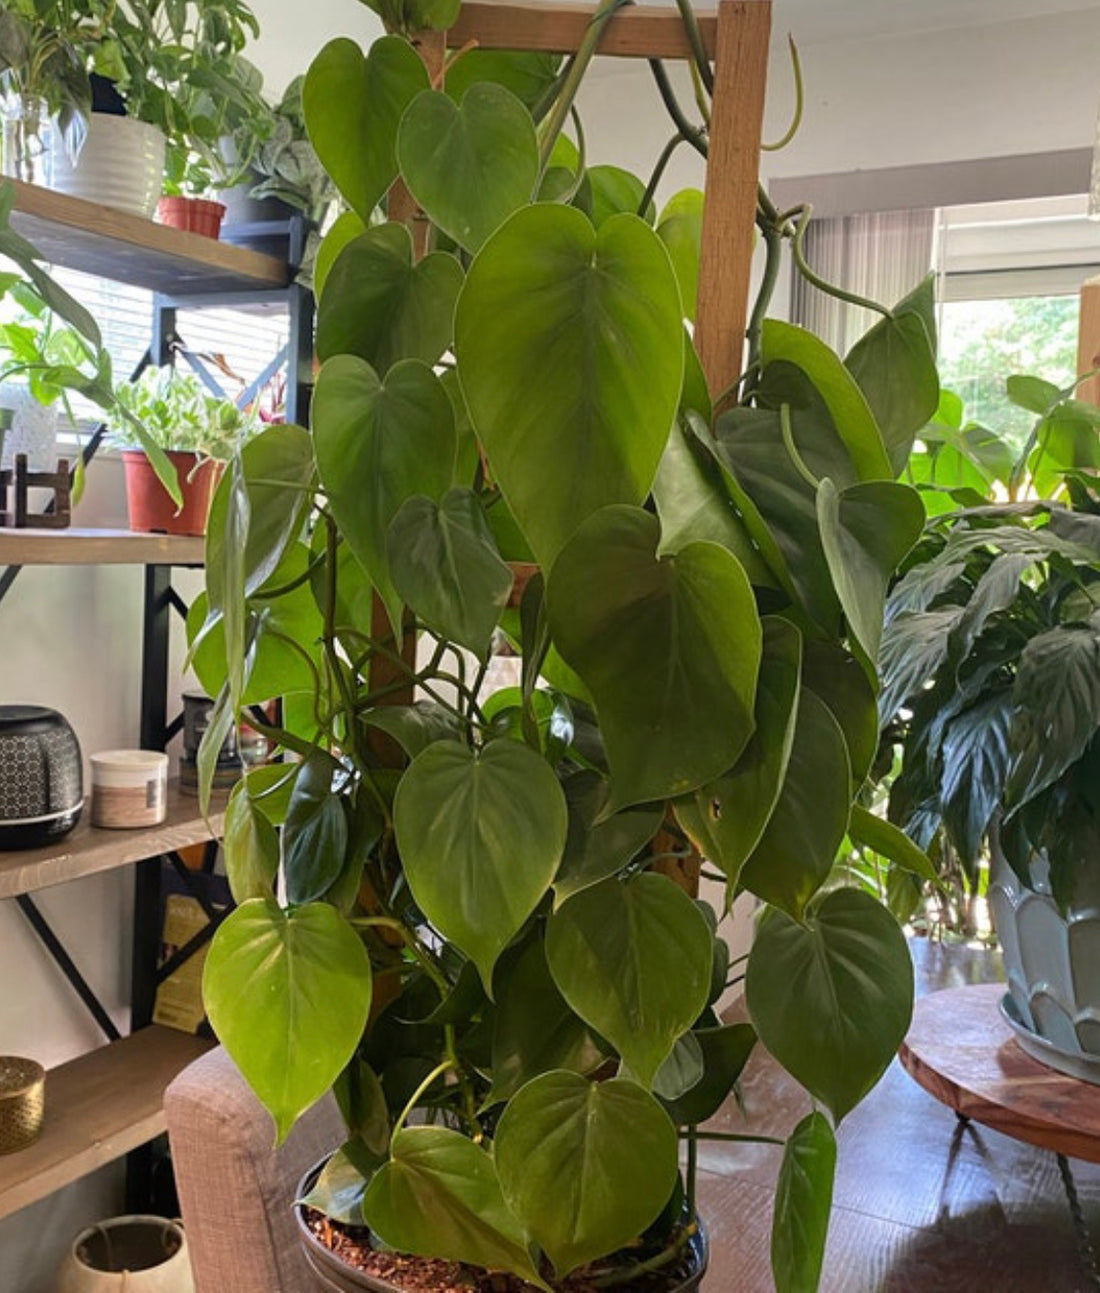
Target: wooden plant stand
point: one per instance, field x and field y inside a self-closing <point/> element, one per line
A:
<point x="20" y="480"/>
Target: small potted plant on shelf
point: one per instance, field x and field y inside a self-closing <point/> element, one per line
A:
<point x="195" y="431"/>
<point x="991" y="660"/>
<point x="480" y="946"/>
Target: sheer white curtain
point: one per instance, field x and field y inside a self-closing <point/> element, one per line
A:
<point x="881" y="255"/>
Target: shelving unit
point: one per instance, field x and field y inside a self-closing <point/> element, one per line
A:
<point x="98" y="1107"/>
<point x="109" y="1102"/>
<point x="90" y="849"/>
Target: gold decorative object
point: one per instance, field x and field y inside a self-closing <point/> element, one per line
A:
<point x="22" y="1102"/>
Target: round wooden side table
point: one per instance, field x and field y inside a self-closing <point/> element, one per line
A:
<point x="961" y="1050"/>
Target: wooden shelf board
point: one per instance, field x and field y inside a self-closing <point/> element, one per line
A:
<point x="98" y="1107"/>
<point x="559" y="29"/>
<point x="117" y="245"/>
<point x="90" y="849"/>
<point x="76" y="547"/>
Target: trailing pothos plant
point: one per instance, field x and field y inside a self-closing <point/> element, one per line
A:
<point x="474" y="941"/>
<point x="991" y="662"/>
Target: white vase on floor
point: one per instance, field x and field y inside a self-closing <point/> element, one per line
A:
<point x="128" y="1255"/>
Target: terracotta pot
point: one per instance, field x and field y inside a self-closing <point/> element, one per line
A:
<point x="334" y="1276"/>
<point x="195" y="215"/>
<point x="152" y="510"/>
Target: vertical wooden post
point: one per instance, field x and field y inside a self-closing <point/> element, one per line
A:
<point x="1088" y="340"/>
<point x="737" y="117"/>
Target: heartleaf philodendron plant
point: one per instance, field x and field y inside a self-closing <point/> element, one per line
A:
<point x="477" y="942"/>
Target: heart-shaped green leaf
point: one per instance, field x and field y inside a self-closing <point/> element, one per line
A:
<point x="534" y="1031"/>
<point x="831" y="997"/>
<point x="528" y="74"/>
<point x="381" y="306"/>
<point x="315" y="837"/>
<point x="682" y="1070"/>
<point x="551" y="333"/>
<point x="866" y="529"/>
<point x="803" y="1201"/>
<point x="599" y="846"/>
<point x="837" y="677"/>
<point x="469" y="165"/>
<point x="339" y="1190"/>
<point x="669" y="648"/>
<point x="800" y="842"/>
<point x="586" y="1166"/>
<point x="633" y="958"/>
<point x="680" y="228"/>
<point x="481" y="835"/>
<point x="445" y="566"/>
<point x="725" y="1053"/>
<point x="895" y="366"/>
<point x="288" y="995"/>
<point x="851" y="414"/>
<point x="726" y="818"/>
<point x="608" y="191"/>
<point x="378" y="444"/>
<point x="345" y="228"/>
<point x="439" y="1196"/>
<point x="251" y="846"/>
<point x="353" y="105"/>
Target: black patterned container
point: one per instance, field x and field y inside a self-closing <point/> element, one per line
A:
<point x="41" y="777"/>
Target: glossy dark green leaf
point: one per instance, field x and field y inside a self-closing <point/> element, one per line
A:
<point x="800" y="842"/>
<point x="439" y="1196"/>
<point x="681" y="1071"/>
<point x="251" y="847"/>
<point x="353" y="104"/>
<point x="914" y="646"/>
<point x="633" y="959"/>
<point x="803" y="1201"/>
<point x="778" y="507"/>
<point x="866" y="530"/>
<point x="726" y="1051"/>
<point x="415" y="727"/>
<point x="831" y="997"/>
<point x="288" y="995"/>
<point x="846" y="403"/>
<point x="726" y="817"/>
<point x="976" y="756"/>
<point x="445" y="567"/>
<point x="599" y="846"/>
<point x="837" y="677"/>
<point x="354" y="591"/>
<point x="315" y="837"/>
<point x="895" y="366"/>
<point x="481" y="835"/>
<point x="669" y="648"/>
<point x="470" y="165"/>
<point x="1056" y="700"/>
<point x="381" y="306"/>
<point x="362" y="1105"/>
<point x="550" y="334"/>
<point x="586" y="1166"/>
<point x="378" y="444"/>
<point x="534" y="1030"/>
<point x="694" y="506"/>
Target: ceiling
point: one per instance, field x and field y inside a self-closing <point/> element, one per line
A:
<point x="815" y="21"/>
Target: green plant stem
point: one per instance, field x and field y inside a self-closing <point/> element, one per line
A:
<point x="695" y="40"/>
<point x="664" y="1258"/>
<point x="281" y="590"/>
<point x="728" y="1137"/>
<point x="830" y="289"/>
<point x="700" y="92"/>
<point x="658" y="172"/>
<point x="559" y="111"/>
<point x="692" y="1166"/>
<point x="799" y="102"/>
<point x="336" y="665"/>
<point x="787" y="432"/>
<point x="436" y="1073"/>
<point x="694" y="136"/>
<point x="773" y="259"/>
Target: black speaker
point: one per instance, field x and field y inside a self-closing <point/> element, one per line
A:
<point x="41" y="777"/>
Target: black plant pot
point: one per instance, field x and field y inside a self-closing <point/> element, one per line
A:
<point x="334" y="1276"/>
<point x="106" y="97"/>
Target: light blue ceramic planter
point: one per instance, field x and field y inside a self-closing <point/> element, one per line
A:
<point x="1052" y="963"/>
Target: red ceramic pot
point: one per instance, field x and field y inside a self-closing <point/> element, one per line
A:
<point x="195" y="215"/>
<point x="152" y="509"/>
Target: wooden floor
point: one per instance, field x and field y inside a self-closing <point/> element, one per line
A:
<point x="919" y="1207"/>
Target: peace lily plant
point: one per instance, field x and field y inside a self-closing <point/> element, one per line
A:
<point x="474" y="941"/>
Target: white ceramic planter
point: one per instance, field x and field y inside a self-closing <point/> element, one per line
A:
<point x="128" y="1255"/>
<point x="121" y="164"/>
